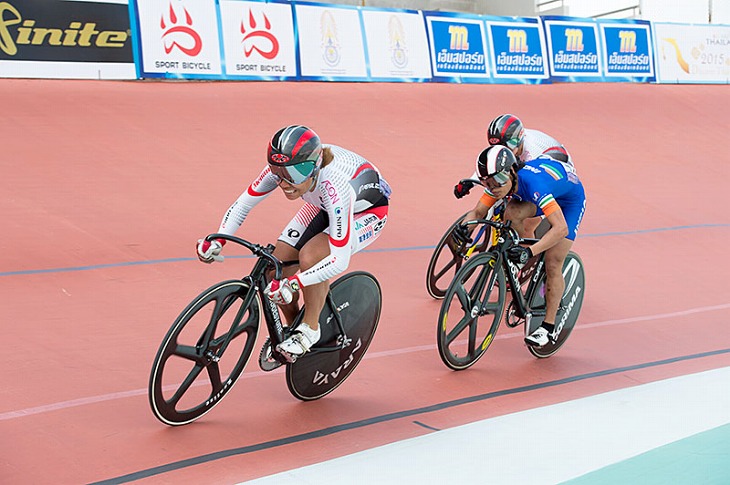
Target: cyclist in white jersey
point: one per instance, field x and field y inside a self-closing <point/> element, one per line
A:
<point x="526" y="144"/>
<point x="345" y="209"/>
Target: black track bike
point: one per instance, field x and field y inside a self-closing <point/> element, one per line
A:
<point x="474" y="303"/>
<point x="449" y="254"/>
<point x="207" y="348"/>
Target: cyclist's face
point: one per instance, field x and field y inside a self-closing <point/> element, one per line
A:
<point x="496" y="188"/>
<point x="294" y="191"/>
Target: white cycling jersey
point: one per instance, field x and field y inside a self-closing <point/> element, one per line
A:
<point x="538" y="143"/>
<point x="347" y="186"/>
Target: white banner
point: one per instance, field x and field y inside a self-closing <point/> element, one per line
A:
<point x="179" y="37"/>
<point x="330" y="42"/>
<point x="692" y="53"/>
<point x="258" y="39"/>
<point x="397" y="44"/>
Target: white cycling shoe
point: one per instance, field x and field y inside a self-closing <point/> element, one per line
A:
<point x="538" y="338"/>
<point x="299" y="342"/>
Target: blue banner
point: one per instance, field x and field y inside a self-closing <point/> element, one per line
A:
<point x="458" y="47"/>
<point x="628" y="50"/>
<point x="518" y="50"/>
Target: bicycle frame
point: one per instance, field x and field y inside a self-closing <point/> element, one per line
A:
<point x="258" y="279"/>
<point x="506" y="238"/>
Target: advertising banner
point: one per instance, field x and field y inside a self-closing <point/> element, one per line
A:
<point x="458" y="45"/>
<point x="518" y="51"/>
<point x="573" y="49"/>
<point x="692" y="53"/>
<point x="330" y="42"/>
<point x="258" y="39"/>
<point x="628" y="51"/>
<point x="177" y="37"/>
<point x="396" y="45"/>
<point x="65" y="39"/>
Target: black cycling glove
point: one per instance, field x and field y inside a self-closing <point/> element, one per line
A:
<point x="519" y="254"/>
<point x="462" y="188"/>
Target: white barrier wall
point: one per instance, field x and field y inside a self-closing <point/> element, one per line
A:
<point x="692" y="53"/>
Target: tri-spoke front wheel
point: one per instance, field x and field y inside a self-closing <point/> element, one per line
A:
<point x="204" y="352"/>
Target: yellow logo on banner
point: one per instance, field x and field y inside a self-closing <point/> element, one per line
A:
<point x="397" y="37"/>
<point x="330" y="41"/>
<point x="628" y="41"/>
<point x="680" y="59"/>
<point x="77" y="34"/>
<point x="517" y="40"/>
<point x="573" y="40"/>
<point x="459" y="38"/>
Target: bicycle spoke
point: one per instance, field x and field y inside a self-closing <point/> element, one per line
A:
<point x="187" y="352"/>
<point x="459" y="328"/>
<point x="218" y="310"/>
<point x="446" y="268"/>
<point x="464" y="298"/>
<point x="185" y="385"/>
<point x="214" y="374"/>
<point x="491" y="308"/>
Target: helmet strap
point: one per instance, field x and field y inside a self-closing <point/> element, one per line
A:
<point x="513" y="176"/>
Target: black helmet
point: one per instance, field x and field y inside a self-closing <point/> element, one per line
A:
<point x="295" y="154"/>
<point x="496" y="161"/>
<point x="506" y="130"/>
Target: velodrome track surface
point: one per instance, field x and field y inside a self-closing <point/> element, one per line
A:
<point x="107" y="186"/>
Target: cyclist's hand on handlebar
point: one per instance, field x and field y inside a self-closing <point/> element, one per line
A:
<point x="461" y="234"/>
<point x="519" y="254"/>
<point x="462" y="188"/>
<point x="282" y="292"/>
<point x="209" y="251"/>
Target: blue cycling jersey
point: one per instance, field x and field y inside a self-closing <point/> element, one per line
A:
<point x="548" y="183"/>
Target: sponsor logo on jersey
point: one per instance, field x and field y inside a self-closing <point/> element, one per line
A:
<point x="331" y="192"/>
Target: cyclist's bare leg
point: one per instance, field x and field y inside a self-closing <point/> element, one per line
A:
<point x="554" y="259"/>
<point x="314" y="251"/>
<point x="285" y="252"/>
<point x="518" y="212"/>
<point x="530" y="224"/>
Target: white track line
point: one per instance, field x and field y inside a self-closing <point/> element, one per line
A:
<point x="374" y="355"/>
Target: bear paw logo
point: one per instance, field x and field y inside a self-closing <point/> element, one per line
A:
<point x="180" y="36"/>
<point x="261" y="41"/>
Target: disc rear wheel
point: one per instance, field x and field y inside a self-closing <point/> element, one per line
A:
<point x="358" y="299"/>
<point x="570" y="305"/>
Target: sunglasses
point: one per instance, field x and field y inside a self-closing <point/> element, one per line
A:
<point x="294" y="174"/>
<point x="501" y="178"/>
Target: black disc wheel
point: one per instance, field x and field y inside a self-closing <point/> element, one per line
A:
<point x="570" y="305"/>
<point x="325" y="367"/>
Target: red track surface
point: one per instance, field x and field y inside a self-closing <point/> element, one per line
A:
<point x="118" y="173"/>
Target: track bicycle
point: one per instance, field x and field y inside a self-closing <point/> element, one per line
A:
<point x="474" y="303"/>
<point x="449" y="255"/>
<point x="209" y="344"/>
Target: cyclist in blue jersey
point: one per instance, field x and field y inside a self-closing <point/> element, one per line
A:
<point x="526" y="144"/>
<point x="542" y="186"/>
